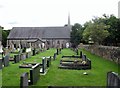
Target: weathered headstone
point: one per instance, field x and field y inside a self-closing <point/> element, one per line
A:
<point x="57" y="51"/>
<point x="113" y="80"/>
<point x="84" y="57"/>
<point x="0" y="63"/>
<point x="23" y="56"/>
<point x="80" y="54"/>
<point x="77" y="51"/>
<point x="44" y="65"/>
<point x="54" y="57"/>
<point x="28" y="54"/>
<point x="24" y="80"/>
<point x="48" y="61"/>
<point x="6" y="60"/>
<point x="34" y="74"/>
<point x="60" y="50"/>
<point x="33" y="52"/>
<point x="16" y="58"/>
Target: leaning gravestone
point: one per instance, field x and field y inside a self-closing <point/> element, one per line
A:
<point x="113" y="80"/>
<point x="6" y="60"/>
<point x="24" y="80"/>
<point x="0" y="63"/>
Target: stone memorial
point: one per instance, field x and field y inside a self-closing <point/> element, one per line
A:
<point x="113" y="80"/>
<point x="16" y="58"/>
<point x="75" y="62"/>
<point x="0" y="63"/>
<point x="34" y="74"/>
<point x="80" y="54"/>
<point x="43" y="65"/>
<point x="6" y="60"/>
<point x="54" y="57"/>
<point x="24" y="80"/>
<point x="48" y="61"/>
<point x="57" y="51"/>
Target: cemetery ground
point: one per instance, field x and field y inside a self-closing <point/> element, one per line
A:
<point x="97" y="75"/>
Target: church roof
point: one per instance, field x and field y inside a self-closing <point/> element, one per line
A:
<point x="39" y="32"/>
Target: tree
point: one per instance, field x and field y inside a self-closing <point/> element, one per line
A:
<point x="76" y="35"/>
<point x="4" y="34"/>
<point x="114" y="29"/>
<point x="96" y="32"/>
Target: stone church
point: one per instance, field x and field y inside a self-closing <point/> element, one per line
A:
<point x="40" y="37"/>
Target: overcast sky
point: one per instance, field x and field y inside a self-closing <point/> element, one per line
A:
<point x="42" y="13"/>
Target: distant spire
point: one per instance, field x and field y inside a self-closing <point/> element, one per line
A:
<point x="69" y="19"/>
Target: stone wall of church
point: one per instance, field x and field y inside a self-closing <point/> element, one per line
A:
<point x="23" y="43"/>
<point x="57" y="43"/>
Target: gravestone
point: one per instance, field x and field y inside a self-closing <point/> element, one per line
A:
<point x="23" y="56"/>
<point x="6" y="60"/>
<point x="57" y="51"/>
<point x="84" y="57"/>
<point x="0" y="63"/>
<point x="77" y="51"/>
<point x="89" y="63"/>
<point x="48" y="61"/>
<point x="54" y="57"/>
<point x="34" y="74"/>
<point x="33" y="52"/>
<point x="80" y="54"/>
<point x="24" y="80"/>
<point x="44" y="65"/>
<point x="113" y="80"/>
<point x="16" y="58"/>
<point x="28" y="54"/>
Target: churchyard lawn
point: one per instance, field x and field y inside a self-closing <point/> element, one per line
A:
<point x="97" y="75"/>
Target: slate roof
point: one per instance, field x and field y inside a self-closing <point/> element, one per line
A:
<point x="39" y="33"/>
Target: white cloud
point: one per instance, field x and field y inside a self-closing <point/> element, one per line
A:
<point x="53" y="12"/>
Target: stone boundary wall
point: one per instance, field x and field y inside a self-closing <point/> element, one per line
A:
<point x="108" y="52"/>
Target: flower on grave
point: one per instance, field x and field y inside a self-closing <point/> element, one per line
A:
<point x="83" y="62"/>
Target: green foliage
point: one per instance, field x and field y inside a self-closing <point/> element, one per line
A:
<point x="114" y="29"/>
<point x="97" y="32"/>
<point x="4" y="34"/>
<point x="76" y="35"/>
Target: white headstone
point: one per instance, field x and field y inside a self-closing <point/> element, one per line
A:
<point x="28" y="50"/>
<point x="67" y="45"/>
<point x="43" y="45"/>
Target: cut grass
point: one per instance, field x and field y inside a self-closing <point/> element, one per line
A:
<point x="62" y="77"/>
